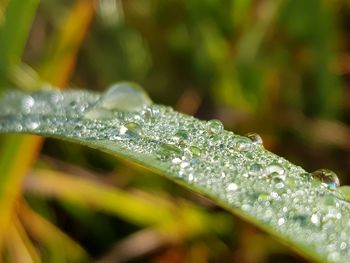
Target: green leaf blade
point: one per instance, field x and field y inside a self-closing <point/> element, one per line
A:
<point x="235" y="172"/>
<point x="13" y="35"/>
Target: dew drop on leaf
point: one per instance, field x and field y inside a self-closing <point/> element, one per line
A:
<point x="32" y="125"/>
<point x="123" y="97"/>
<point x="181" y="136"/>
<point x="243" y="144"/>
<point x="176" y="160"/>
<point x="264" y="197"/>
<point x="281" y="221"/>
<point x="275" y="169"/>
<point x="215" y="126"/>
<point x="315" y="219"/>
<point x="147" y="114"/>
<point x="255" y="169"/>
<point x="327" y="177"/>
<point x="255" y="138"/>
<point x="232" y="187"/>
<point x="27" y="103"/>
<point x="195" y="151"/>
<point x="167" y="150"/>
<point x="131" y="129"/>
<point x="96" y="113"/>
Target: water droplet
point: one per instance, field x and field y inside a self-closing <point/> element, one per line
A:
<point x="215" y="126"/>
<point x="275" y="170"/>
<point x="315" y="219"/>
<point x="98" y="113"/>
<point x="167" y="150"/>
<point x="255" y="138"/>
<point x="181" y="136"/>
<point x="255" y="169"/>
<point x="184" y="165"/>
<point x="27" y="103"/>
<point x="274" y="195"/>
<point x="327" y="177"/>
<point x="306" y="176"/>
<point x="232" y="187"/>
<point x="191" y="178"/>
<point x="176" y="160"/>
<point x="243" y="144"/>
<point x="124" y="97"/>
<point x="194" y="151"/>
<point x="147" y="114"/>
<point x="32" y="125"/>
<point x="264" y="197"/>
<point x="131" y="129"/>
<point x="343" y="245"/>
<point x="279" y="185"/>
<point x="281" y="221"/>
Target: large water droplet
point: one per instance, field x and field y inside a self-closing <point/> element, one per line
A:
<point x="327" y="177"/>
<point x="124" y="97"/>
<point x="98" y="113"/>
<point x="255" y="138"/>
<point x="215" y="126"/>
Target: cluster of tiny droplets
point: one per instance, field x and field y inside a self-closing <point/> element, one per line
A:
<point x="232" y="168"/>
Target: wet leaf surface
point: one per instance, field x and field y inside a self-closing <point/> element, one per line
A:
<point x="235" y="171"/>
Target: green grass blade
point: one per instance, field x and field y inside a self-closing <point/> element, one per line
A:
<point x="174" y="221"/>
<point x="49" y="236"/>
<point x="238" y="174"/>
<point x="13" y="35"/>
<point x="17" y="153"/>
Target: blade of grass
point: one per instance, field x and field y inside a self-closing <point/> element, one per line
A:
<point x="258" y="186"/>
<point x="20" y="151"/>
<point x="14" y="162"/>
<point x="13" y="35"/>
<point x="61" y="55"/>
<point x="19" y="246"/>
<point x="49" y="236"/>
<point x="102" y="197"/>
<point x="176" y="221"/>
<point x="136" y="245"/>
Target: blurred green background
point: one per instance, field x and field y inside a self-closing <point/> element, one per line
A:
<point x="278" y="68"/>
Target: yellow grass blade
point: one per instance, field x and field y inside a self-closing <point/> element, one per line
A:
<point x="19" y="152"/>
<point x="49" y="236"/>
<point x="19" y="246"/>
